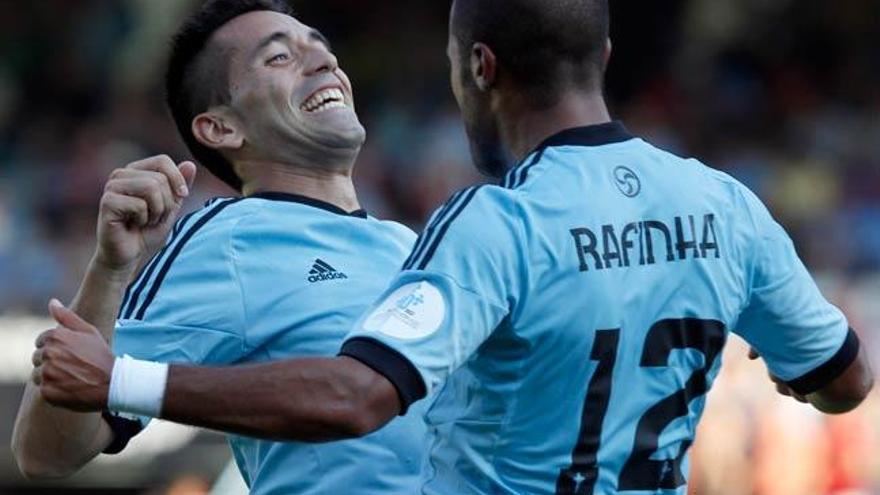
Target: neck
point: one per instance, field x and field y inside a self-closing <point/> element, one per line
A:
<point x="524" y="127"/>
<point x="334" y="187"/>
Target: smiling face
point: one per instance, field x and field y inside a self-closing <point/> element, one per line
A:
<point x="289" y="100"/>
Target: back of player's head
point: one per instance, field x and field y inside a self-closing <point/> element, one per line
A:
<point x="197" y="76"/>
<point x="543" y="45"/>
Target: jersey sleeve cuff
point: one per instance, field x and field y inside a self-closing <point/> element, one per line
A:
<point x="392" y="365"/>
<point x="123" y="431"/>
<point x="833" y="368"/>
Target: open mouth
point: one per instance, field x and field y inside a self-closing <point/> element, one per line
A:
<point x="323" y="100"/>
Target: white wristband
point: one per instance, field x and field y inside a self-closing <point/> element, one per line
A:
<point x="137" y="387"/>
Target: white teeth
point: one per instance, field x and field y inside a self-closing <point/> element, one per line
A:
<point x="325" y="100"/>
<point x="328" y="106"/>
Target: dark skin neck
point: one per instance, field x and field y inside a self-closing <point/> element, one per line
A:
<point x="524" y="126"/>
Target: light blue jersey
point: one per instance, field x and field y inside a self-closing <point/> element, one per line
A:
<point x="572" y="318"/>
<point x="296" y="273"/>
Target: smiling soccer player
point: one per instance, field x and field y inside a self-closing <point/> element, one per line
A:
<point x="260" y="99"/>
<point x="561" y="368"/>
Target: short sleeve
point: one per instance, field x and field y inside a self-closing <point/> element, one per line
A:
<point x="804" y="339"/>
<point x="461" y="281"/>
<point x="168" y="344"/>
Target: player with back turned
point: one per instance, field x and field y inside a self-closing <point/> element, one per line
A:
<point x="570" y="318"/>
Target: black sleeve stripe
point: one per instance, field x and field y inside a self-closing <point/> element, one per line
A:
<point x="123" y="431"/>
<point x="832" y="369"/>
<point x="430" y="230"/>
<point x="180" y="223"/>
<point x="436" y="242"/>
<point x="176" y="252"/>
<point x="508" y="179"/>
<point x="127" y="295"/>
<point x="141" y="283"/>
<point x="524" y="174"/>
<point x="513" y="173"/>
<point x="518" y="174"/>
<point x="392" y="365"/>
<point x="133" y="294"/>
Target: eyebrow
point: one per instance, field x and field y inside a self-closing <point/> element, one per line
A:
<point x="314" y="34"/>
<point x="318" y="36"/>
<point x="268" y="40"/>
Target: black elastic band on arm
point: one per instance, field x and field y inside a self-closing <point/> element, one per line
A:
<point x="391" y="364"/>
<point x="123" y="431"/>
<point x="833" y="368"/>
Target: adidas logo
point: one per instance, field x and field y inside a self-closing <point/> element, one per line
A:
<point x="322" y="271"/>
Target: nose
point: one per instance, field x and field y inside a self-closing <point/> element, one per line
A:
<point x="320" y="60"/>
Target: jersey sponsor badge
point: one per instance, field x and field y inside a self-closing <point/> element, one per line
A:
<point x="322" y="271"/>
<point x="411" y="312"/>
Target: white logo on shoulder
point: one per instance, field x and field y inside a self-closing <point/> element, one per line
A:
<point x="411" y="312"/>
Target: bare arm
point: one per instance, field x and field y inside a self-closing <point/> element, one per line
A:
<point x="137" y="209"/>
<point x="842" y="394"/>
<point x="50" y="442"/>
<point x="310" y="400"/>
<point x="848" y="390"/>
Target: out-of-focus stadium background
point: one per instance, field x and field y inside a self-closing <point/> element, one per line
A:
<point x="782" y="94"/>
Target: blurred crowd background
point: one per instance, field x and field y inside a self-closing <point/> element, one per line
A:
<point x="782" y="94"/>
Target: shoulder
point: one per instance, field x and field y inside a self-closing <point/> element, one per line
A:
<point x="745" y="204"/>
<point x="208" y="230"/>
<point x="396" y="230"/>
<point x="480" y="207"/>
<point x="483" y="218"/>
<point x="738" y="197"/>
<point x="197" y="252"/>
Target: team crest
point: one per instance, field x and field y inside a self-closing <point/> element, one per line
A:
<point x="627" y="181"/>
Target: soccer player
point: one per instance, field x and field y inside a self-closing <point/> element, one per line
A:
<point x="283" y="272"/>
<point x="571" y="317"/>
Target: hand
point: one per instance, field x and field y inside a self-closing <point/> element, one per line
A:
<point x="138" y="209"/>
<point x="73" y="363"/>
<point x="781" y="386"/>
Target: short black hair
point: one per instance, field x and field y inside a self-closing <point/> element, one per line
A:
<point x="196" y="79"/>
<point x="543" y="44"/>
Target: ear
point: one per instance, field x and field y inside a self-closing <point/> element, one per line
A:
<point x="484" y="66"/>
<point x="218" y="130"/>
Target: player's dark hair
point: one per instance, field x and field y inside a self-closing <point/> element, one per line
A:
<point x="198" y="79"/>
<point x="544" y="45"/>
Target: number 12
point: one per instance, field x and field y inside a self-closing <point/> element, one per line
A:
<point x="640" y="472"/>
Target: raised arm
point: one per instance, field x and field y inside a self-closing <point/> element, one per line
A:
<point x="138" y="208"/>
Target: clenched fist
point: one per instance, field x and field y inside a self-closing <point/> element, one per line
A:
<point x="781" y="386"/>
<point x="73" y="363"/>
<point x="138" y="209"/>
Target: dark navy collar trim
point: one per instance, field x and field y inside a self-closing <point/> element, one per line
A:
<point x="591" y="135"/>
<point x="317" y="203"/>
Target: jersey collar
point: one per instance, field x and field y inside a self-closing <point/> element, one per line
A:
<point x="591" y="135"/>
<point x="316" y="203"/>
